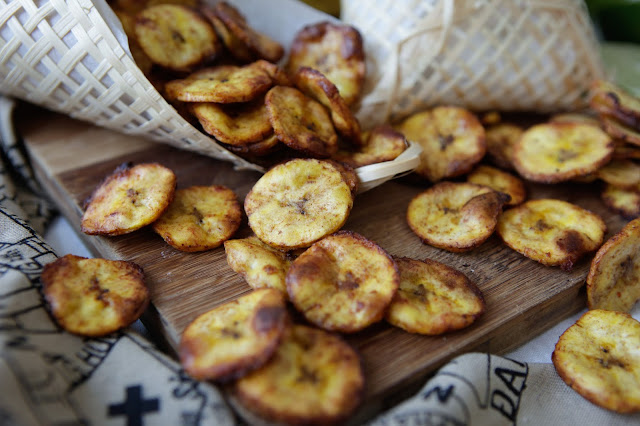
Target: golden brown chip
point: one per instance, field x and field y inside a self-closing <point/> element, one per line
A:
<point x="260" y="265"/>
<point x="200" y="218"/>
<point x="300" y="122"/>
<point x="599" y="357"/>
<point x="176" y="37"/>
<point x="620" y="131"/>
<point x="336" y="50"/>
<point x="234" y="338"/>
<point x="433" y="298"/>
<point x="621" y="173"/>
<point x="260" y="44"/>
<point x="343" y="282"/>
<point x="128" y="199"/>
<point x="452" y="140"/>
<point x="221" y="84"/>
<point x="314" y="84"/>
<point x="455" y="216"/>
<point x="625" y="201"/>
<point x="613" y="282"/>
<point x="277" y="74"/>
<point x="383" y="143"/>
<point x="574" y="117"/>
<point x="261" y="148"/>
<point x="236" y="47"/>
<point x="234" y="124"/>
<point x="552" y="232"/>
<point x="557" y="152"/>
<point x="298" y="202"/>
<point x="501" y="138"/>
<point x="607" y="99"/>
<point x="500" y="181"/>
<point x="624" y="151"/>
<point x="94" y="297"/>
<point x="314" y="378"/>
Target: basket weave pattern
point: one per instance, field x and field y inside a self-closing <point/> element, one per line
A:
<point x="62" y="55"/>
<point x="534" y="55"/>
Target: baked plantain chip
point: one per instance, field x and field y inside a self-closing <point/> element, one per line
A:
<point x="235" y="338"/>
<point x="221" y="84"/>
<point x="620" y="130"/>
<point x="455" y="217"/>
<point x="300" y="122"/>
<point x="336" y="50"/>
<point x="176" y="37"/>
<point x="433" y="298"/>
<point x="552" y="232"/>
<point x="343" y="282"/>
<point x="260" y="265"/>
<point x="277" y="74"/>
<point x="381" y="144"/>
<point x="452" y="140"/>
<point x="501" y="138"/>
<point x="267" y="146"/>
<point x="599" y="357"/>
<point x="200" y="218"/>
<point x="262" y="46"/>
<point x="607" y="99"/>
<point x="234" y="124"/>
<point x="625" y="151"/>
<point x="128" y="199"/>
<point x="557" y="152"/>
<point x="296" y="203"/>
<point x="621" y="173"/>
<point x="500" y="181"/>
<point x="236" y="47"/>
<point x="613" y="282"/>
<point x="141" y="59"/>
<point x="314" y="378"/>
<point x="315" y="85"/>
<point x="625" y="201"/>
<point x="94" y="297"/>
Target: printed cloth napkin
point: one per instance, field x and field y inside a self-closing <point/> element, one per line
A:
<point x="50" y="377"/>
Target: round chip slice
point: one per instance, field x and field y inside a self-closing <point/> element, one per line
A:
<point x="130" y="198"/>
<point x="221" y="84"/>
<point x="261" y="265"/>
<point x="552" y="232"/>
<point x="452" y="140"/>
<point x="613" y="282"/>
<point x="557" y="152"/>
<point x="383" y="143"/>
<point x="234" y="338"/>
<point x="621" y="173"/>
<point x="599" y="357"/>
<point x="234" y="124"/>
<point x="200" y="218"/>
<point x="343" y="283"/>
<point x="500" y="181"/>
<point x="296" y="203"/>
<point x="620" y="131"/>
<point x="433" y="298"/>
<point x="625" y="201"/>
<point x="176" y="37"/>
<point x="455" y="216"/>
<point x="94" y="297"/>
<point x="261" y="45"/>
<point x="314" y="378"/>
<point x="257" y="149"/>
<point x="336" y="50"/>
<point x="607" y="99"/>
<point x="314" y="84"/>
<point x="236" y="47"/>
<point x="300" y="122"/>
<point x="501" y="138"/>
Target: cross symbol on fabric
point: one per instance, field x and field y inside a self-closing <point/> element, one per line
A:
<point x="134" y="406"/>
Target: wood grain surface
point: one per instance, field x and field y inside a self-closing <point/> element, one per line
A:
<point x="523" y="297"/>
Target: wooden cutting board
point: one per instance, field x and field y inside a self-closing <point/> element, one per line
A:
<point x="523" y="297"/>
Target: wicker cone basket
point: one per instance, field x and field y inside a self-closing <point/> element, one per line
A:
<point x="527" y="55"/>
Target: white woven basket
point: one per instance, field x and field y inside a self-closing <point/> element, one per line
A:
<point x="72" y="56"/>
<point x="528" y="55"/>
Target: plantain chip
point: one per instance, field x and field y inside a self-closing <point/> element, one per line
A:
<point x="607" y="99"/>
<point x="625" y="201"/>
<point x="94" y="297"/>
<point x="501" y="138"/>
<point x="452" y="140"/>
<point x="620" y="173"/>
<point x="455" y="217"/>
<point x="236" y="47"/>
<point x="383" y="143"/>
<point x="343" y="282"/>
<point x="552" y="232"/>
<point x="128" y="199"/>
<point x="500" y="181"/>
<point x="267" y="146"/>
<point x="620" y="130"/>
<point x="433" y="298"/>
<point x="234" y="124"/>
<point x="557" y="152"/>
<point x="599" y="357"/>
